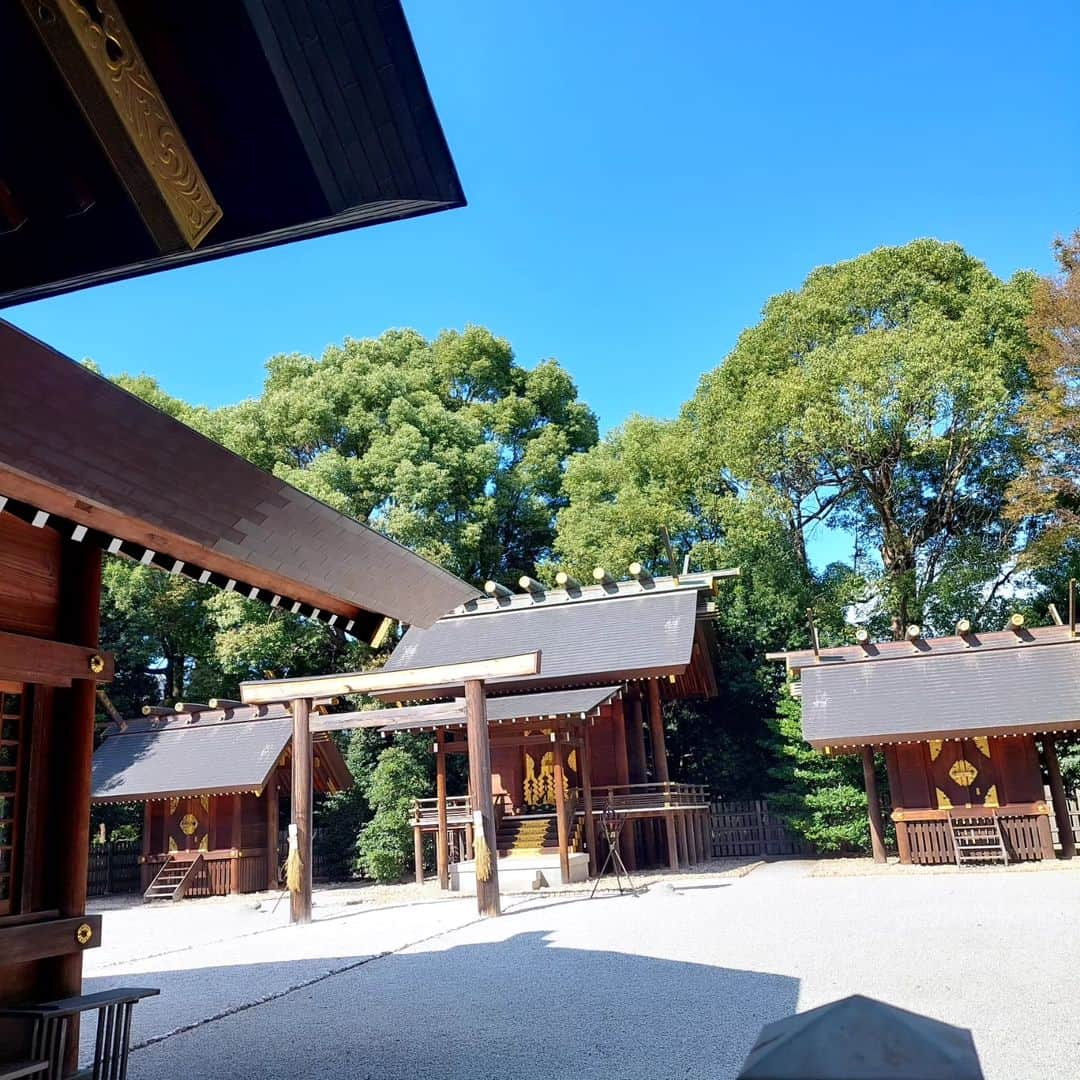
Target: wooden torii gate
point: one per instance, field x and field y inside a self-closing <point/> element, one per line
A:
<point x="301" y="692"/>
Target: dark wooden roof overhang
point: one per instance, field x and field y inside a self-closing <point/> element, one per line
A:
<point x="140" y="136"/>
<point x="80" y="455"/>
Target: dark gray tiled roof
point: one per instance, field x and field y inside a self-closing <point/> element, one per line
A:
<point x="518" y="707"/>
<point x="1014" y="689"/>
<point x="189" y="759"/>
<point x="584" y="641"/>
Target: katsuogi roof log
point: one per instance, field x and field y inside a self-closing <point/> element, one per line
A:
<point x="80" y="454"/>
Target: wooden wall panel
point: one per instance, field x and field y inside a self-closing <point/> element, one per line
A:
<point x="29" y="578"/>
<point x="915" y="791"/>
<point x="602" y="745"/>
<point x="1021" y="775"/>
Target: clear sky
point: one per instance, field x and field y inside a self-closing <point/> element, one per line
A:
<point x="641" y="177"/>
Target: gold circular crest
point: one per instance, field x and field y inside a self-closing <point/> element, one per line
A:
<point x="84" y="934"/>
<point x="97" y="664"/>
<point x="188" y="824"/>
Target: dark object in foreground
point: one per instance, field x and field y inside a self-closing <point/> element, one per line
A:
<point x="859" y="1038"/>
<point x="50" y="1025"/>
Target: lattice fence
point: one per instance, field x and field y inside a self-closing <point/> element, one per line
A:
<point x="750" y="828"/>
<point x="1073" y="802"/>
<point x="113" y="868"/>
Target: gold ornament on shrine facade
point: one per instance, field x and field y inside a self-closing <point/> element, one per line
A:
<point x="963" y="772"/>
<point x="189" y="823"/>
<point x="97" y="664"/>
<point x="84" y="934"/>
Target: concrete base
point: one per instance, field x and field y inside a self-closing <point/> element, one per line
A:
<point x="518" y="873"/>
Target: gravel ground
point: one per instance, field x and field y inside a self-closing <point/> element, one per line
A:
<point x="673" y="982"/>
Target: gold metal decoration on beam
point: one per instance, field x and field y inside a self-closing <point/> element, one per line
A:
<point x="99" y="60"/>
<point x="963" y="772"/>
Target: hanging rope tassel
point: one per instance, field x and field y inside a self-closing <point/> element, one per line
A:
<point x="481" y="849"/>
<point x="292" y="863"/>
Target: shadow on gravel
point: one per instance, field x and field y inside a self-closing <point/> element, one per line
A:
<point x="519" y="1007"/>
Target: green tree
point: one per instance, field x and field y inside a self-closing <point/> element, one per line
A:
<point x="882" y="398"/>
<point x="386" y="842"/>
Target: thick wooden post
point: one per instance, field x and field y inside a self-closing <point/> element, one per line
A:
<point x="560" y="812"/>
<point x="873" y="805"/>
<point x="680" y="832"/>
<point x="68" y="833"/>
<point x="892" y="766"/>
<point x="672" y="840"/>
<point x="270" y="795"/>
<point x="638" y="768"/>
<point x="627" y="841"/>
<point x="1066" y="837"/>
<point x="418" y="854"/>
<point x="442" y="838"/>
<point x="237" y="842"/>
<point x="300" y="901"/>
<point x="487" y="892"/>
<point x="656" y="730"/>
<point x="585" y="759"/>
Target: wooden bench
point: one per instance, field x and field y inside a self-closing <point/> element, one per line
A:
<point x="50" y="1025"/>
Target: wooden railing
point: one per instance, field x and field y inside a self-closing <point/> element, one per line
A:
<point x="425" y="812"/>
<point x="639" y="798"/>
<point x="1025" y="829"/>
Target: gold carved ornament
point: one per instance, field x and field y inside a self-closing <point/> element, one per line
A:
<point x="84" y="934"/>
<point x="189" y="824"/>
<point x="101" y="35"/>
<point x="962" y="772"/>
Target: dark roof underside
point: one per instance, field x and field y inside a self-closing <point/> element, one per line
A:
<point x="956" y="695"/>
<point x="77" y="446"/>
<point x="583" y="642"/>
<point x="305" y="117"/>
<point x="214" y="759"/>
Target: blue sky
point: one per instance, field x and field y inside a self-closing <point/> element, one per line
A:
<point x="641" y="178"/>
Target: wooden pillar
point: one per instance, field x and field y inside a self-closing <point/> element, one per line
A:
<point x="672" y="840"/>
<point x="873" y="805"/>
<point x="418" y="854"/>
<point x="236" y="843"/>
<point x="680" y="832"/>
<point x="648" y="828"/>
<point x="560" y="811"/>
<point x="300" y="901"/>
<point x="469" y="842"/>
<point x="487" y="892"/>
<point x="1066" y="837"/>
<point x="270" y="795"/>
<point x="442" y="839"/>
<point x="628" y="846"/>
<point x="892" y="766"/>
<point x="656" y="729"/>
<point x="636" y="741"/>
<point x="145" y="877"/>
<point x="585" y="759"/>
<point x="68" y="834"/>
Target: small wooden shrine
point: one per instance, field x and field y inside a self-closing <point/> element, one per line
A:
<point x="211" y="781"/>
<point x="585" y="732"/>
<point x="967" y="726"/>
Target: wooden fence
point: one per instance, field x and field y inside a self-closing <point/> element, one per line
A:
<point x="1073" y="803"/>
<point x="750" y="828"/>
<point x="113" y="868"/>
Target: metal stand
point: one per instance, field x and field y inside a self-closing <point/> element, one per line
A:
<point x="612" y="825"/>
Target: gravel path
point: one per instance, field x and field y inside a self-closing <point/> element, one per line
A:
<point x="672" y="983"/>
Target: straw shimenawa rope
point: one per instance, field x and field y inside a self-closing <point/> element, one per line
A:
<point x="292" y="863"/>
<point x="481" y="849"/>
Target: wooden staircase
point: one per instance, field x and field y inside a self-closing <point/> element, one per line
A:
<point x="978" y="841"/>
<point x="172" y="880"/>
<point x="534" y="835"/>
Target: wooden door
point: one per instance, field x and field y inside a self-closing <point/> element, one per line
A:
<point x="187" y="824"/>
<point x="13" y="748"/>
<point x="963" y="773"/>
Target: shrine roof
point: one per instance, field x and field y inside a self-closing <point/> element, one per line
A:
<point x="588" y="635"/>
<point x="213" y="752"/>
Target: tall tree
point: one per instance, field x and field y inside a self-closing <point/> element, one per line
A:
<point x="882" y="398"/>
<point x="1046" y="494"/>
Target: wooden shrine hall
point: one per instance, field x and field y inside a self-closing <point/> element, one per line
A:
<point x="211" y="780"/>
<point x="584" y="733"/>
<point x="135" y="137"/>
<point x="967" y="725"/>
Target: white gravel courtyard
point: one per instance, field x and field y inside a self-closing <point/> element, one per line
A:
<point x="673" y="983"/>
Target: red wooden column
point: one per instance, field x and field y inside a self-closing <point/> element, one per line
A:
<point x="1058" y="798"/>
<point x="300" y="901"/>
<point x="873" y="805"/>
<point x="237" y="842"/>
<point x="271" y="797"/>
<point x="487" y="892"/>
<point x="622" y="776"/>
<point x="656" y="730"/>
<point x="442" y="839"/>
<point x="586" y="799"/>
<point x="560" y="810"/>
<point x="892" y="765"/>
<point x="418" y="854"/>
